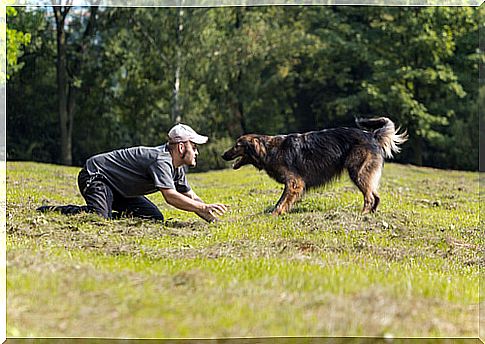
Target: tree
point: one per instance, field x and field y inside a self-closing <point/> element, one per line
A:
<point x="31" y="115"/>
<point x="227" y="71"/>
<point x="251" y="67"/>
<point x="412" y="76"/>
<point x="16" y="40"/>
<point x="461" y="144"/>
<point x="69" y="64"/>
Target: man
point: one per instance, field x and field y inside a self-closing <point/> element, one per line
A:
<point x="119" y="180"/>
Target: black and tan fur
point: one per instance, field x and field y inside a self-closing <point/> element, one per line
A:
<point x="302" y="161"/>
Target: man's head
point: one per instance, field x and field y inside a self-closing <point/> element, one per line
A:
<point x="183" y="141"/>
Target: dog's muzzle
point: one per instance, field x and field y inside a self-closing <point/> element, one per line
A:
<point x="231" y="155"/>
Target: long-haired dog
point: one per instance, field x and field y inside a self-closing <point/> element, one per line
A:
<point x="302" y="161"/>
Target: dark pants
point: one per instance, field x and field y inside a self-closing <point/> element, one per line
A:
<point x="103" y="199"/>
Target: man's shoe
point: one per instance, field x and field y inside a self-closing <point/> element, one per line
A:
<point x="63" y="209"/>
<point x="46" y="208"/>
<point x="70" y="209"/>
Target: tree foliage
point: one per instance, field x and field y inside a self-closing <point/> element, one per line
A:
<point x="16" y="40"/>
<point x="273" y="69"/>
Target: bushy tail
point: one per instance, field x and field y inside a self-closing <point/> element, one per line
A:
<point x="385" y="133"/>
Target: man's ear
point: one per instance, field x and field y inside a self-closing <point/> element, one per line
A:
<point x="181" y="147"/>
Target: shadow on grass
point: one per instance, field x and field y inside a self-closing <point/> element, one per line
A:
<point x="170" y="223"/>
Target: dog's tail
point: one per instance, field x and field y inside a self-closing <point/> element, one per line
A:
<point x="385" y="133"/>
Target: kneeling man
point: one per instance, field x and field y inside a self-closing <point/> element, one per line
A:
<point x="119" y="180"/>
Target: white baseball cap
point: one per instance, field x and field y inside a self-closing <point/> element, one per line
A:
<point x="183" y="133"/>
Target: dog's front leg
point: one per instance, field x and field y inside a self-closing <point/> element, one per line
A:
<point x="294" y="188"/>
<point x="281" y="206"/>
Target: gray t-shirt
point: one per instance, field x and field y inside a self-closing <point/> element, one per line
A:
<point x="139" y="171"/>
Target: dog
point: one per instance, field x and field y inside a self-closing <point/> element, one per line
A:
<point x="307" y="160"/>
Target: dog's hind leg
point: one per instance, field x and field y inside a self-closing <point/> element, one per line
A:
<point x="294" y="188"/>
<point x="377" y="200"/>
<point x="366" y="173"/>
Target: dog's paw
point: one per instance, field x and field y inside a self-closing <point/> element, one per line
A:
<point x="277" y="212"/>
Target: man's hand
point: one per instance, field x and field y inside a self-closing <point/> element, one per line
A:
<point x="210" y="212"/>
<point x="191" y="202"/>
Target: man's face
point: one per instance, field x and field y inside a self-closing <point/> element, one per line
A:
<point x="190" y="152"/>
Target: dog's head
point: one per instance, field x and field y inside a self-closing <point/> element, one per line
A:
<point x="250" y="149"/>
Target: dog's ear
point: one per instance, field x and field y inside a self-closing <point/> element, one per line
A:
<point x="259" y="148"/>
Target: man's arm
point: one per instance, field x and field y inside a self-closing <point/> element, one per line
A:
<point x="191" y="202"/>
<point x="192" y="195"/>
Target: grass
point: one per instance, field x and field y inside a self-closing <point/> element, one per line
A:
<point x="411" y="269"/>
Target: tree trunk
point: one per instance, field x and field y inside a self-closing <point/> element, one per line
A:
<point x="66" y="90"/>
<point x="176" y="110"/>
<point x="62" y="85"/>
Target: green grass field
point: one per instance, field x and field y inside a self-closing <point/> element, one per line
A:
<point x="411" y="269"/>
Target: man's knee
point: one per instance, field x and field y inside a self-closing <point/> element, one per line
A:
<point x="149" y="213"/>
<point x="158" y="217"/>
<point x="140" y="207"/>
<point x="99" y="198"/>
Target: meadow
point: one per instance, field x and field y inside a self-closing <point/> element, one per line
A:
<point x="409" y="270"/>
